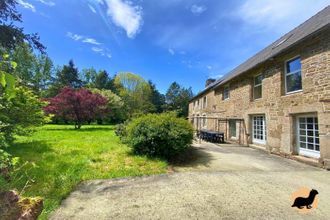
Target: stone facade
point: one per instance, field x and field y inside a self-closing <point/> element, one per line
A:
<point x="279" y="109"/>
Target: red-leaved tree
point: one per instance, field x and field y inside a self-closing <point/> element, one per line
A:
<point x="78" y="105"/>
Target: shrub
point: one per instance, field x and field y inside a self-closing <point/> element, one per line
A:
<point x="7" y="163"/>
<point x="121" y="131"/>
<point x="159" y="135"/>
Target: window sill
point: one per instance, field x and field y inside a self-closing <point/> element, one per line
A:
<point x="294" y="92"/>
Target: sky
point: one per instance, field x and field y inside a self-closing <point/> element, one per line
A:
<point x="187" y="41"/>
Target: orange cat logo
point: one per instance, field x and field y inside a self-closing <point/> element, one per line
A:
<point x="305" y="199"/>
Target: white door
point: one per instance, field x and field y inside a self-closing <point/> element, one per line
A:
<point x="308" y="136"/>
<point x="259" y="129"/>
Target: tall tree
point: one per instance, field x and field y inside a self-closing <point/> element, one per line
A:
<point x="89" y="76"/>
<point x="157" y="99"/>
<point x="135" y="92"/>
<point x="69" y="76"/>
<point x="11" y="35"/>
<point x="32" y="71"/>
<point x="177" y="99"/>
<point x="102" y="80"/>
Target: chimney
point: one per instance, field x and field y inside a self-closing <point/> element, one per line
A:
<point x="208" y="82"/>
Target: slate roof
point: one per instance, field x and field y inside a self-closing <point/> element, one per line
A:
<point x="310" y="27"/>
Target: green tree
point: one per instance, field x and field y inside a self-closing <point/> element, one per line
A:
<point x="156" y="98"/>
<point x="89" y="76"/>
<point x="177" y="99"/>
<point x="66" y="76"/>
<point x="102" y="80"/>
<point x="32" y="71"/>
<point x="135" y="92"/>
<point x="69" y="76"/>
<point x="11" y="35"/>
<point x="115" y="104"/>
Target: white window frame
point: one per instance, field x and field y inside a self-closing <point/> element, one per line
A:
<point x="254" y="85"/>
<point x="264" y="127"/>
<point x="204" y="103"/>
<point x="204" y="121"/>
<point x="224" y="91"/>
<point x="235" y="124"/>
<point x="288" y="74"/>
<point x="305" y="151"/>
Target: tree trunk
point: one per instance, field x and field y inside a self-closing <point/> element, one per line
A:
<point x="77" y="125"/>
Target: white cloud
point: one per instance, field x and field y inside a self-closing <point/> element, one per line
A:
<point x="90" y="41"/>
<point x="198" y="9"/>
<point x="97" y="49"/>
<point x="171" y="51"/>
<point x="75" y="37"/>
<point x="27" y="5"/>
<point x="209" y="67"/>
<point x="278" y="15"/>
<point x="125" y="15"/>
<point x="81" y="38"/>
<point x="47" y="2"/>
<point x="92" y="8"/>
<point x="102" y="51"/>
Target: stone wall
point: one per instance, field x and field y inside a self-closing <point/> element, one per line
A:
<point x="280" y="109"/>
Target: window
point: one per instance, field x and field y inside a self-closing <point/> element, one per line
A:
<point x="293" y="75"/>
<point x="198" y="104"/>
<point x="257" y="87"/>
<point x="259" y="129"/>
<point x="204" y="102"/>
<point x="204" y="122"/>
<point x="308" y="136"/>
<point x="226" y="93"/>
<point x="232" y="128"/>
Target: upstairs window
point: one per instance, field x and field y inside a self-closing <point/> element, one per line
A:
<point x="204" y="102"/>
<point x="226" y="93"/>
<point x="293" y="75"/>
<point x="198" y="104"/>
<point x="257" y="87"/>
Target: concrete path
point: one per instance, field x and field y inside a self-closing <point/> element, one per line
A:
<point x="221" y="182"/>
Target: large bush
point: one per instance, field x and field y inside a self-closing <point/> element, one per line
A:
<point x="159" y="135"/>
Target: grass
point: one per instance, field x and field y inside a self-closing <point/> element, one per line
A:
<point x="60" y="157"/>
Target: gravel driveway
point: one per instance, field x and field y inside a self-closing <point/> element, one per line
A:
<point x="222" y="182"/>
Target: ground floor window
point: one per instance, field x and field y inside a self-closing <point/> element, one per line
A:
<point x="232" y="128"/>
<point x="258" y="129"/>
<point x="308" y="136"/>
<point x="204" y="121"/>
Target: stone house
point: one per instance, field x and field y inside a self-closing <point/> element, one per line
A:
<point x="279" y="99"/>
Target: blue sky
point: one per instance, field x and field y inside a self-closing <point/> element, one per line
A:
<point x="186" y="41"/>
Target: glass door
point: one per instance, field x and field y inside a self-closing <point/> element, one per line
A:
<point x="308" y="136"/>
<point x="259" y="129"/>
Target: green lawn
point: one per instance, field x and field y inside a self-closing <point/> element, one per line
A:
<point x="60" y="157"/>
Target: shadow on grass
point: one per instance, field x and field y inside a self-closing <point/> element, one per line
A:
<point x="28" y="150"/>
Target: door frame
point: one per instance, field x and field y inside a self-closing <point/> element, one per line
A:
<point x="302" y="151"/>
<point x="258" y="141"/>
